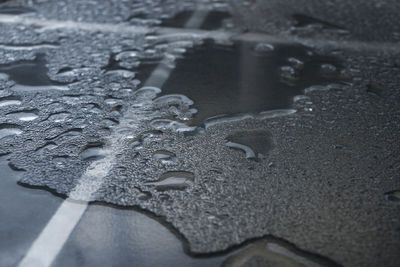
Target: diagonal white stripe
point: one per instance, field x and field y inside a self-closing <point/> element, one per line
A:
<point x="55" y="234"/>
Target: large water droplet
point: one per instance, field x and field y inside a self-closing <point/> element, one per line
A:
<point x="164" y="156"/>
<point x="9" y="130"/>
<point x="176" y="180"/>
<point x="393" y="196"/>
<point x="23" y="115"/>
<point x="255" y="143"/>
<point x="93" y="152"/>
<point x="9" y="101"/>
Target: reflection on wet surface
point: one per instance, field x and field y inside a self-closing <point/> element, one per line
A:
<point x="31" y="75"/>
<point x="235" y="79"/>
<point x="107" y="235"/>
<point x="123" y="237"/>
<point x="257" y="77"/>
<point x="272" y="252"/>
<point x="213" y="20"/>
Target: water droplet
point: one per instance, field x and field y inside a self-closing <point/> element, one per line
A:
<point x="23" y="115"/>
<point x="375" y="88"/>
<point x="93" y="152"/>
<point x="9" y="101"/>
<point x="164" y="156"/>
<point x="328" y="69"/>
<point x="393" y="196"/>
<point x="9" y="130"/>
<point x="59" y="117"/>
<point x="264" y="47"/>
<point x="116" y="75"/>
<point x="296" y="63"/>
<point x="175" y="180"/>
<point x="165" y="124"/>
<point x="255" y="143"/>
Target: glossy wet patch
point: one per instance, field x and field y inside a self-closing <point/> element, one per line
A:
<point x="247" y="77"/>
<point x="31" y="75"/>
<point x="213" y="20"/>
<point x="270" y="252"/>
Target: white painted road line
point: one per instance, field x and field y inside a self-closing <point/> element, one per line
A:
<point x="55" y="234"/>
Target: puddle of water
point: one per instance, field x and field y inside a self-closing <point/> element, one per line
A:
<point x="9" y="101"/>
<point x="254" y="80"/>
<point x="213" y="20"/>
<point x="23" y="115"/>
<point x="177" y="180"/>
<point x="31" y="75"/>
<point x="269" y="252"/>
<point x="255" y="143"/>
<point x="23" y="215"/>
<point x="15" y="10"/>
<point x="9" y="130"/>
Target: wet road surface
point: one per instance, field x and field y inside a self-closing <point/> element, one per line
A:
<point x="199" y="134"/>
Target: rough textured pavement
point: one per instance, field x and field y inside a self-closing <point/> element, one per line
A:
<point x="326" y="185"/>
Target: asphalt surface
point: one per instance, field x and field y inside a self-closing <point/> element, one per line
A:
<point x="181" y="133"/>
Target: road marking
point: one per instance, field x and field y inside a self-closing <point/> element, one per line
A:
<point x="49" y="243"/>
